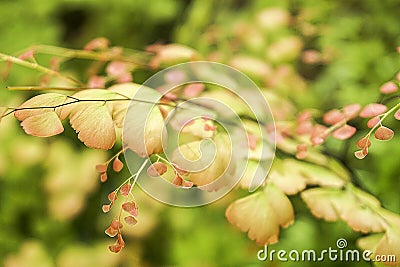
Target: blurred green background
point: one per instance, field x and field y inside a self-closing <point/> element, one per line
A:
<point x="318" y="54"/>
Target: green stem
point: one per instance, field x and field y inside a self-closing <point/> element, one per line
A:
<point x="130" y="56"/>
<point x="387" y="113"/>
<point x="35" y="66"/>
<point x="41" y="88"/>
<point x="115" y="156"/>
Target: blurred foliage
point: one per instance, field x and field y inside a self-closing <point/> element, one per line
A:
<point x="49" y="198"/>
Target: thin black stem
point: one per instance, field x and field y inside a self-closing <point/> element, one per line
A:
<point x="76" y="100"/>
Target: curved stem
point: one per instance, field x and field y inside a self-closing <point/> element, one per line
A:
<point x="41" y="88"/>
<point x="137" y="57"/>
<point x="384" y="115"/>
<point x="76" y="100"/>
<point x="36" y="66"/>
